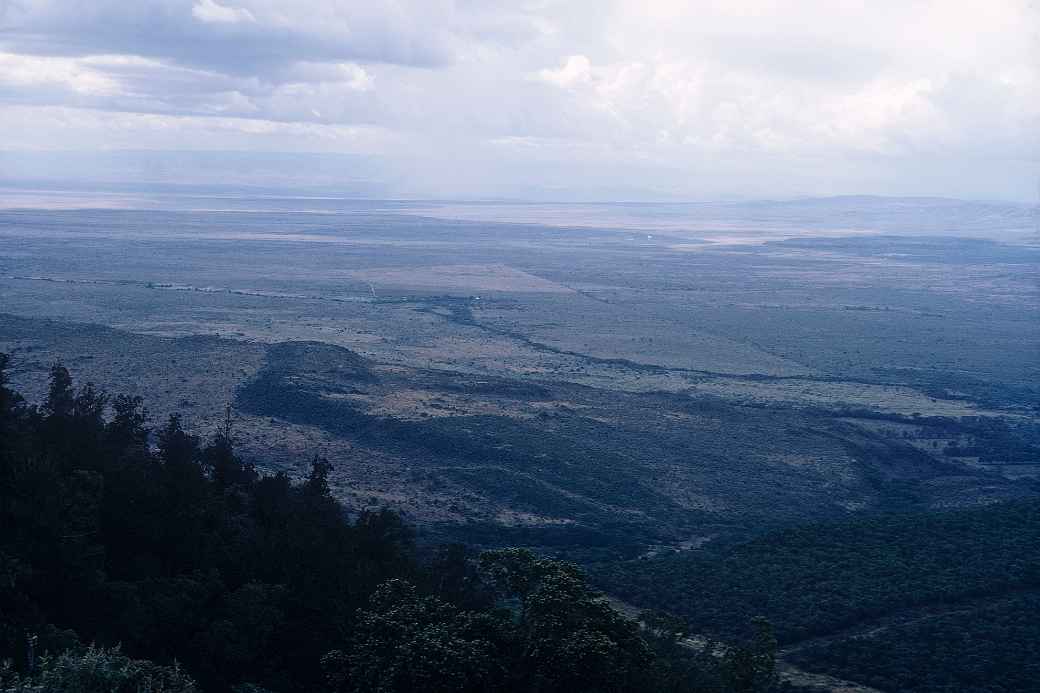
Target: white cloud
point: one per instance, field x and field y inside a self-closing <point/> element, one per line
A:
<point x="761" y="93"/>
<point x="210" y="11"/>
<point x="47" y="74"/>
<point x="71" y="128"/>
<point x="351" y="75"/>
<point x="576" y="70"/>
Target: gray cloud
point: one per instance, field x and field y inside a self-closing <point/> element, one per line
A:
<point x="686" y="98"/>
<point x="236" y="37"/>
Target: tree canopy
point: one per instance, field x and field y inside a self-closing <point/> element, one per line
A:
<point x="210" y="576"/>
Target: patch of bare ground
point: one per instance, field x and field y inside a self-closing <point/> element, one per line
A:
<point x="789" y="673"/>
<point x="410" y="404"/>
<point x="842" y="469"/>
<point x="882" y="398"/>
<point x="513" y="518"/>
<point x="469" y="277"/>
<point x="614" y="333"/>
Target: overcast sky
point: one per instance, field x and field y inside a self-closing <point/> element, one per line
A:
<point x="595" y="99"/>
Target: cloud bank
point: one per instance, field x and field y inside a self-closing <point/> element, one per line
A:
<point x="613" y="98"/>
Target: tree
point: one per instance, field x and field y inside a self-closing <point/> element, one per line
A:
<point x="572" y="639"/>
<point x="88" y="407"/>
<point x="128" y="426"/>
<point x="60" y="399"/>
<point x="224" y="468"/>
<point x="318" y="478"/>
<point x="10" y="415"/>
<point x="98" y="670"/>
<point x="454" y="577"/>
<point x="176" y="448"/>
<point x="8" y="398"/>
<point x="751" y="668"/>
<point x="405" y="642"/>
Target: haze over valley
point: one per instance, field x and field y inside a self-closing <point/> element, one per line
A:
<point x="537" y="347"/>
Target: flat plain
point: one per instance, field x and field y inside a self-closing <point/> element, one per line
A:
<point x="810" y="410"/>
<point x="594" y="378"/>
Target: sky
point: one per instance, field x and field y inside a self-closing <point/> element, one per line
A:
<point x="582" y="99"/>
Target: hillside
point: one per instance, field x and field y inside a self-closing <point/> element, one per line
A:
<point x="499" y="460"/>
<point x="915" y="602"/>
<point x="145" y="569"/>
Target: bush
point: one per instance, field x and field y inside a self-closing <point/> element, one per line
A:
<point x="99" y="670"/>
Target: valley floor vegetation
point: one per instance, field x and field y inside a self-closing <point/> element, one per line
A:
<point x="144" y="560"/>
<point x="921" y="601"/>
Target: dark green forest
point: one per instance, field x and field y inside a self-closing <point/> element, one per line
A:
<point x="991" y="646"/>
<point x="137" y="559"/>
<point x="942" y="601"/>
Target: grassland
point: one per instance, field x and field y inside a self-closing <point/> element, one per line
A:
<point x="637" y="383"/>
<point x="663" y="392"/>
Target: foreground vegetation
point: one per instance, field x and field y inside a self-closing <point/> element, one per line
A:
<point x="992" y="647"/>
<point x="911" y="602"/>
<point x="817" y="579"/>
<point x="209" y="576"/>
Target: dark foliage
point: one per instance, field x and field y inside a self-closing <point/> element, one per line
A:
<point x="817" y="579"/>
<point x="994" y="648"/>
<point x="916" y="602"/>
<point x="178" y="552"/>
<point x="183" y="556"/>
<point x="96" y="670"/>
